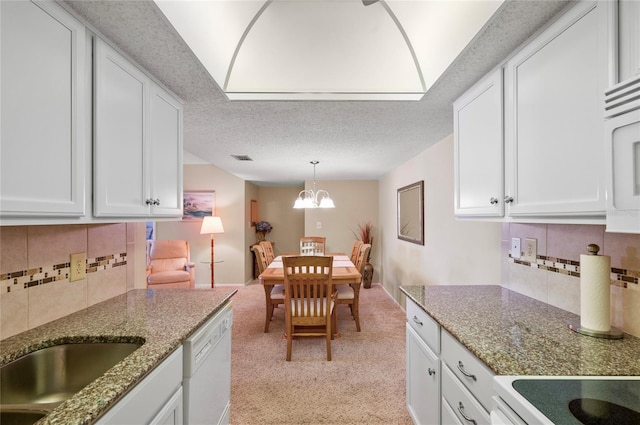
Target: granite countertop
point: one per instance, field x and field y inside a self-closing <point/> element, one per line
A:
<point x="163" y="319"/>
<point x="517" y="335"/>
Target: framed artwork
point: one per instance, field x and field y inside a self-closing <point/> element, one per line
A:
<point x="197" y="204"/>
<point x="411" y="213"/>
<point x="254" y="212"/>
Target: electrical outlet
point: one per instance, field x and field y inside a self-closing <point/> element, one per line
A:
<point x="78" y="266"/>
<point x="318" y="225"/>
<point x="515" y="248"/>
<point x="530" y="250"/>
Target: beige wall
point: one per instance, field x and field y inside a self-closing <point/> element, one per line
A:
<point x="275" y="206"/>
<point x="455" y="252"/>
<point x="356" y="202"/>
<point x="472" y="252"/>
<point x="230" y="246"/>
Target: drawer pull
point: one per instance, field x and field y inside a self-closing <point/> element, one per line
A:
<point x="464" y="372"/>
<point x="415" y="319"/>
<point x="466" y="418"/>
<point x="431" y="371"/>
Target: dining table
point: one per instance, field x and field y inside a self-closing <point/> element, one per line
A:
<point x="344" y="272"/>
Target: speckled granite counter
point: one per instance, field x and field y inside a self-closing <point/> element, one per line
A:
<point x="162" y="318"/>
<point x="517" y="335"/>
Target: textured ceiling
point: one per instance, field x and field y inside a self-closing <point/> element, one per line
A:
<point x="351" y="139"/>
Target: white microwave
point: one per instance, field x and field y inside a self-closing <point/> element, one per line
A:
<point x="622" y="137"/>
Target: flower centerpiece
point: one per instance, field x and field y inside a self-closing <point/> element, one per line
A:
<point x="262" y="228"/>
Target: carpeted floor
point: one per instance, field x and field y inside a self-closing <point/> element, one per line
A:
<point x="363" y="384"/>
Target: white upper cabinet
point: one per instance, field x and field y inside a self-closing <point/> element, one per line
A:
<point x="553" y="119"/>
<point x="44" y="117"/>
<point x="137" y="141"/>
<point x="478" y="149"/>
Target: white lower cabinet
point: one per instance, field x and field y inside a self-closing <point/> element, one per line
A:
<point x="446" y="383"/>
<point x="157" y="399"/>
<point x="423" y="380"/>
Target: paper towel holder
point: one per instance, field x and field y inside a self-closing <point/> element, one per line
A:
<point x="613" y="333"/>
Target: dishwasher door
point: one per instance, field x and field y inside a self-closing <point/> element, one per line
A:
<point x="207" y="371"/>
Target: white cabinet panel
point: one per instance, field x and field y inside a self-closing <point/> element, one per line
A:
<point x="478" y="149"/>
<point x="44" y="120"/>
<point x="423" y="380"/>
<point x="553" y="119"/>
<point x="165" y="133"/>
<point x="137" y="141"/>
<point x="120" y="166"/>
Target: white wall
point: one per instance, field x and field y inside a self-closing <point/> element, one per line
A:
<point x="455" y="252"/>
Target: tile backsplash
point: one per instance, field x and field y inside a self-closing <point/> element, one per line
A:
<point x="34" y="271"/>
<point x="554" y="277"/>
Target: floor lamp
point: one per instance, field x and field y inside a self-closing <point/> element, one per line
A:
<point x="211" y="225"/>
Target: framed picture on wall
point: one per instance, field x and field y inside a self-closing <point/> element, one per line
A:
<point x="197" y="204"/>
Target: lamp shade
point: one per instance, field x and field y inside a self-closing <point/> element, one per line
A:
<point x="211" y="225"/>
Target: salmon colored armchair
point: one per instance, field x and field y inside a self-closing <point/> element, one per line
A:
<point x="169" y="264"/>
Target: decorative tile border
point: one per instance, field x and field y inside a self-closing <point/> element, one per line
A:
<point x="24" y="279"/>
<point x="619" y="277"/>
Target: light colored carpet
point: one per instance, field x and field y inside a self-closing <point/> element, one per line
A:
<point x="363" y="384"/>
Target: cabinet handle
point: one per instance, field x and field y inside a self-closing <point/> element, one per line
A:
<point x="156" y="202"/>
<point x="431" y="371"/>
<point x="415" y="319"/>
<point x="466" y="418"/>
<point x="148" y="202"/>
<point x="508" y="199"/>
<point x="493" y="200"/>
<point x="464" y="372"/>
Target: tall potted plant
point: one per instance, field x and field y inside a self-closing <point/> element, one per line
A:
<point x="365" y="234"/>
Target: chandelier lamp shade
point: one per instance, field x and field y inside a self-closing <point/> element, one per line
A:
<point x="211" y="225"/>
<point x="312" y="198"/>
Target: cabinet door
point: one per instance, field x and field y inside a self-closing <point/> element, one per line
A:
<point x="478" y="149"/>
<point x="553" y="119"/>
<point x="623" y="159"/>
<point x="43" y="130"/>
<point x="120" y="169"/>
<point x="423" y="381"/>
<point x="165" y="153"/>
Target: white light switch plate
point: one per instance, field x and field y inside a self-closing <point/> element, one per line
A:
<point x="530" y="250"/>
<point x="515" y="248"/>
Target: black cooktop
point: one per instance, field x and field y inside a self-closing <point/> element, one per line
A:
<point x="584" y="401"/>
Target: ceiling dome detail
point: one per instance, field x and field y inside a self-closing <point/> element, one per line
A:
<point x="326" y="49"/>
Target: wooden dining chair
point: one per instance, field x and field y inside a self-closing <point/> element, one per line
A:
<point x="350" y="294"/>
<point x="273" y="296"/>
<point x="309" y="298"/>
<point x="312" y="245"/>
<point x="355" y="249"/>
<point x="268" y="250"/>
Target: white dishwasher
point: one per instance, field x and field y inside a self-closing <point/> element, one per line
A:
<point x="207" y="371"/>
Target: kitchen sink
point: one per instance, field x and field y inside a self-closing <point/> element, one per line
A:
<point x="38" y="382"/>
<point x="20" y="417"/>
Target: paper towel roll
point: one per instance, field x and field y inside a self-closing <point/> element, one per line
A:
<point x="595" y="292"/>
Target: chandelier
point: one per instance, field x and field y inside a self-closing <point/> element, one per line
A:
<point x="312" y="199"/>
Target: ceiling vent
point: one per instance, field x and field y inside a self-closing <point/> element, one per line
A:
<point x="242" y="157"/>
